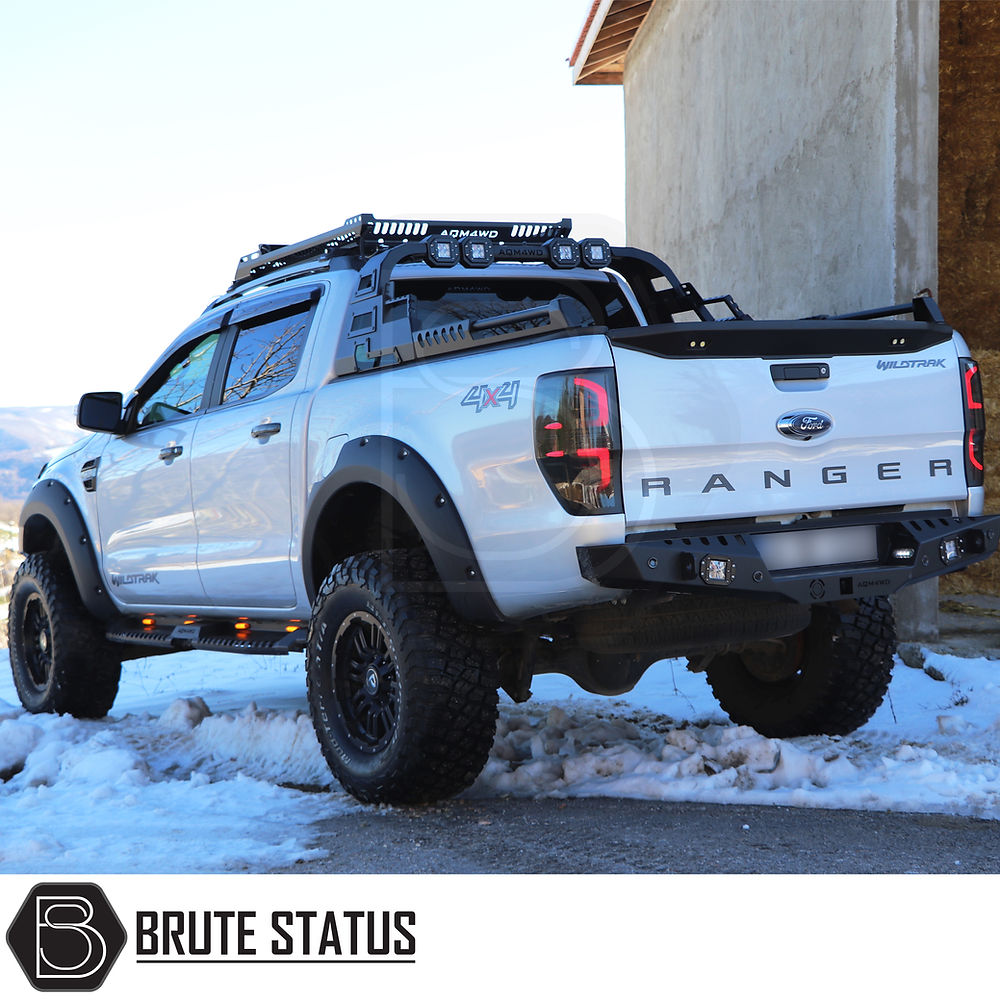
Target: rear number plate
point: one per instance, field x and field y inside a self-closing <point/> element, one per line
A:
<point x="818" y="547"/>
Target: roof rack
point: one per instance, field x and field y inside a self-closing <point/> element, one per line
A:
<point x="366" y="236"/>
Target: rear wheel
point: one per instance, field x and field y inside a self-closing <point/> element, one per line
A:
<point x="827" y="680"/>
<point x="403" y="703"/>
<point x="58" y="654"/>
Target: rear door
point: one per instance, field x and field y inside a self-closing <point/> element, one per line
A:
<point x="241" y="472"/>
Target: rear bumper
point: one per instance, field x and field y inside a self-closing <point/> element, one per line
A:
<point x="910" y="547"/>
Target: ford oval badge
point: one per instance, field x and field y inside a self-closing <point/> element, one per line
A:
<point x="804" y="425"/>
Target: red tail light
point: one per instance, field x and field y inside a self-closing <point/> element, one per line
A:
<point x="975" y="421"/>
<point x="577" y="439"/>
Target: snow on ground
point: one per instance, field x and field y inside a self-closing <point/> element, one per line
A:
<point x="933" y="746"/>
<point x="166" y="784"/>
<point x="209" y="763"/>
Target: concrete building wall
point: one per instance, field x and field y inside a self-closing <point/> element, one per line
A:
<point x="786" y="152"/>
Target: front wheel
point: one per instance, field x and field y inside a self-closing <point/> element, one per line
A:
<point x="827" y="680"/>
<point x="58" y="654"/>
<point x="403" y="703"/>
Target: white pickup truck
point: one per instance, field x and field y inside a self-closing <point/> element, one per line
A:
<point x="442" y="458"/>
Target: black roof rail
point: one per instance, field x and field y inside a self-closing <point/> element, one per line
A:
<point x="366" y="236"/>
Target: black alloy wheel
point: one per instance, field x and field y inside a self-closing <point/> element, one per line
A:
<point x="37" y="642"/>
<point x="366" y="681"/>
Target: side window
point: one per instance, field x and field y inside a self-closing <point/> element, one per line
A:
<point x="265" y="356"/>
<point x="180" y="390"/>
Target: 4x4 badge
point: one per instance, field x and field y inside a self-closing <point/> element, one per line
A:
<point x="804" y="425"/>
<point x="482" y="396"/>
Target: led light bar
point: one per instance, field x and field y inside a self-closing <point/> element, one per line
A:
<point x="443" y="251"/>
<point x="595" y="252"/>
<point x="477" y="251"/>
<point x="717" y="571"/>
<point x="951" y="550"/>
<point x="563" y="252"/>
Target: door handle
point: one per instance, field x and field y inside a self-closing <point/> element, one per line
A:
<point x="166" y="454"/>
<point x="265" y="430"/>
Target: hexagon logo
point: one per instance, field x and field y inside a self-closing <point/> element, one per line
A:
<point x="66" y="936"/>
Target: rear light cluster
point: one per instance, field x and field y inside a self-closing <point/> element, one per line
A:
<point x="975" y="421"/>
<point x="578" y="439"/>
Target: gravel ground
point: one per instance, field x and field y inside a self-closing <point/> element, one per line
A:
<point x="617" y="836"/>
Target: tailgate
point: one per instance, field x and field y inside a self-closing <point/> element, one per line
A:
<point x="731" y="437"/>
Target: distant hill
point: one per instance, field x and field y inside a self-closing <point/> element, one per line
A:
<point x="29" y="437"/>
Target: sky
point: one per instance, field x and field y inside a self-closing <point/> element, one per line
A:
<point x="147" y="146"/>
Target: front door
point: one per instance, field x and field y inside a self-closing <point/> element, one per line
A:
<point x="148" y="534"/>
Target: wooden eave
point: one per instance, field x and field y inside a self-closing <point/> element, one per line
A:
<point x="607" y="35"/>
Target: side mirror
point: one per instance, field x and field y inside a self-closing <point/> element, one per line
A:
<point x="100" y="411"/>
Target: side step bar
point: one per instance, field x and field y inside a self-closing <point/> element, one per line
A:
<point x="183" y="637"/>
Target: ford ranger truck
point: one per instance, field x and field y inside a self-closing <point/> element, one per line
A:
<point x="441" y="458"/>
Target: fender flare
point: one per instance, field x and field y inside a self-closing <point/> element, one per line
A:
<point x="403" y="474"/>
<point x="50" y="500"/>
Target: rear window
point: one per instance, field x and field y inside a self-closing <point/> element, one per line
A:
<point x="434" y="302"/>
<point x="265" y="356"/>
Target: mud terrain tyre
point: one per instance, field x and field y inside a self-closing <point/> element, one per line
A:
<point x="827" y="680"/>
<point x="58" y="654"/>
<point x="403" y="703"/>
